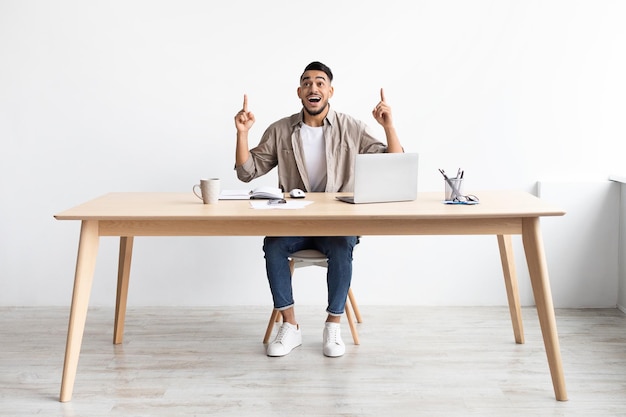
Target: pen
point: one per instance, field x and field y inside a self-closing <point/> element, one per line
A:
<point x="452" y="186"/>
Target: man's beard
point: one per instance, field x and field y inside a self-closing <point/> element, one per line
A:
<point x="315" y="113"/>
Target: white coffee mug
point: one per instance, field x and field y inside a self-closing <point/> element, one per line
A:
<point x="209" y="190"/>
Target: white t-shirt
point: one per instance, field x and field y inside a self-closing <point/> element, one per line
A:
<point x="314" y="156"/>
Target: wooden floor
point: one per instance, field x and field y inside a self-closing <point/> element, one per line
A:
<point x="412" y="361"/>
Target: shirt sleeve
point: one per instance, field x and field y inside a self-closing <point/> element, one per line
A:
<point x="263" y="158"/>
<point x="369" y="144"/>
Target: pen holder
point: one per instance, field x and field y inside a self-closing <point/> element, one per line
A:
<point x="450" y="194"/>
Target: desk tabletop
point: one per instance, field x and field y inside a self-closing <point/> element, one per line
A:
<point x="185" y="206"/>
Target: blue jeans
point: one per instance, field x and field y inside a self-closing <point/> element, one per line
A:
<point x="338" y="250"/>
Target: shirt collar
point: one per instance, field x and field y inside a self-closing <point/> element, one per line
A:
<point x="298" y="118"/>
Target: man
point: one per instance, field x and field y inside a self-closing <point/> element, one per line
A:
<point x="315" y="151"/>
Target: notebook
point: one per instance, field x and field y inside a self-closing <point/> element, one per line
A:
<point x="384" y="177"/>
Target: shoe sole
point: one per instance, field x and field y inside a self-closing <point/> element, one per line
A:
<point x="333" y="356"/>
<point x="284" y="354"/>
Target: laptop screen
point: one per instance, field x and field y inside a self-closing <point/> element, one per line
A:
<point x="385" y="177"/>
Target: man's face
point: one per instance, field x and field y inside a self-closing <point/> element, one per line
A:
<point x="315" y="91"/>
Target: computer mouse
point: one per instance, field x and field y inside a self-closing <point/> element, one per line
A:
<point x="296" y="193"/>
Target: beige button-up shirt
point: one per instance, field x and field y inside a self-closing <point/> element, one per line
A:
<point x="281" y="145"/>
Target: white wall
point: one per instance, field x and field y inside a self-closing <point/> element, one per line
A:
<point x="621" y="298"/>
<point x="582" y="248"/>
<point x="140" y="96"/>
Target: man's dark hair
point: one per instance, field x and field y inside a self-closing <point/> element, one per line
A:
<point x="318" y="66"/>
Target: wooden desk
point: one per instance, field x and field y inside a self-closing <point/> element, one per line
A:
<point x="501" y="213"/>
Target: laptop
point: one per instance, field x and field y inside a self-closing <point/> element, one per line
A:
<point x="383" y="178"/>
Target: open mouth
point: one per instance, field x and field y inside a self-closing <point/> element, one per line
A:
<point x="314" y="99"/>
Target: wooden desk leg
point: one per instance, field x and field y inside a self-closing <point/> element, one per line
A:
<point x="123" y="276"/>
<point x="85" y="266"/>
<point x="535" y="257"/>
<point x="510" y="281"/>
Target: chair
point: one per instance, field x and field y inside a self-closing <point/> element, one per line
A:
<point x="309" y="257"/>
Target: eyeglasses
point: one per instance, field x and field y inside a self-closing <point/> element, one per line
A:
<point x="276" y="201"/>
<point x="470" y="198"/>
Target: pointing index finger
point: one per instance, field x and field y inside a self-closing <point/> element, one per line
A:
<point x="382" y="95"/>
<point x="245" y="103"/>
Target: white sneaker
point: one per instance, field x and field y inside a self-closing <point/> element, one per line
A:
<point x="333" y="345"/>
<point x="288" y="338"/>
